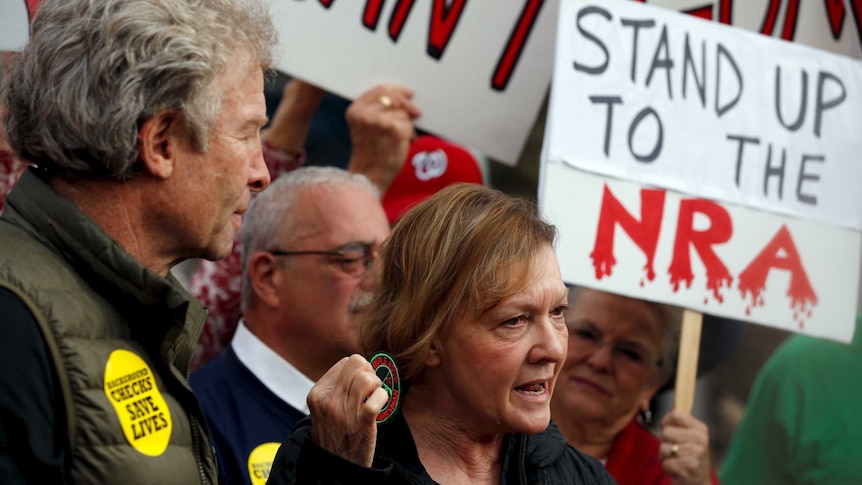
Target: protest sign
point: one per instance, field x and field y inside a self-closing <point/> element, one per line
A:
<point x="834" y="26"/>
<point x="747" y="250"/>
<point x="750" y="265"/>
<point x="15" y="23"/>
<point x="480" y="70"/>
<point x="673" y="101"/>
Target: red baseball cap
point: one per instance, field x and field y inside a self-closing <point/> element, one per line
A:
<point x="432" y="163"/>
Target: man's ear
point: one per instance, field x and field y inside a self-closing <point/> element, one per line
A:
<point x="159" y="136"/>
<point x="263" y="277"/>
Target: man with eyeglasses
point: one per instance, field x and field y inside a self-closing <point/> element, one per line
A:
<point x="380" y="140"/>
<point x="308" y="243"/>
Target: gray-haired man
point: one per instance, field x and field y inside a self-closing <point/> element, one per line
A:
<point x="143" y="119"/>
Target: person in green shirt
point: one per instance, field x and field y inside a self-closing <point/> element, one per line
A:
<point x="802" y="423"/>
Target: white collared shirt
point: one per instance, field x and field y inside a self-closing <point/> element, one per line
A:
<point x="277" y="374"/>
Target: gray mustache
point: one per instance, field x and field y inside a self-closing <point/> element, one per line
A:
<point x="360" y="300"/>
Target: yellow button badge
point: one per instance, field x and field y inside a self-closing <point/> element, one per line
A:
<point x="260" y="462"/>
<point x="143" y="413"/>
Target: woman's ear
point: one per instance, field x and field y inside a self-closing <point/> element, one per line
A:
<point x="650" y="394"/>
<point x="158" y="139"/>
<point x="434" y="357"/>
<point x="643" y="406"/>
<point x="647" y="396"/>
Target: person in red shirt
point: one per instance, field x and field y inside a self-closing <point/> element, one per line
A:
<point x="621" y="352"/>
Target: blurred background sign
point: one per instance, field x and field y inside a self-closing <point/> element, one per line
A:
<point x="480" y="70"/>
<point x="15" y="23"/>
<point x="831" y="25"/>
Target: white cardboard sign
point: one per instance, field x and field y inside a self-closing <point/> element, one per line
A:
<point x="480" y="69"/>
<point x="644" y="93"/>
<point x="706" y="254"/>
<point x="716" y="258"/>
<point x="14" y="24"/>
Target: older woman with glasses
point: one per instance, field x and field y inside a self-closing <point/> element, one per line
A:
<point x="468" y="300"/>
<point x="621" y="352"/>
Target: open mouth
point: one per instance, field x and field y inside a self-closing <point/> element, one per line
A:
<point x="533" y="388"/>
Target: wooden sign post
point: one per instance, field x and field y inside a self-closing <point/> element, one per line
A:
<point x="686" y="364"/>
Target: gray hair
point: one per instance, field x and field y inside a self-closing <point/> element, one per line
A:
<point x="271" y="212"/>
<point x="94" y="70"/>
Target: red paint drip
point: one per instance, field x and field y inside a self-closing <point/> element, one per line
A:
<point x="720" y="231"/>
<point x="716" y="279"/>
<point x="603" y="262"/>
<point x="752" y="280"/>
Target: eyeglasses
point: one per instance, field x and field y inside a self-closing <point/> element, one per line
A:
<point x="588" y="340"/>
<point x="354" y="258"/>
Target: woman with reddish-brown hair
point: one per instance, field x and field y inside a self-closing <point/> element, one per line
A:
<point x="469" y="302"/>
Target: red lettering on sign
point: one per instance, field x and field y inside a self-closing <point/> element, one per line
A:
<point x="515" y="45"/>
<point x="791" y="17"/>
<point x="771" y="17"/>
<point x="399" y="18"/>
<point x="856" y="5"/>
<point x="720" y="231"/>
<point x="326" y="3"/>
<point x="779" y="253"/>
<point x="725" y="12"/>
<point x="704" y="12"/>
<point x="752" y="280"/>
<point x="836" y="12"/>
<point x="644" y="233"/>
<point x="444" y="19"/>
<point x="372" y="13"/>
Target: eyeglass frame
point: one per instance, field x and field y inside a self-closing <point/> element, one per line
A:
<point x="367" y="249"/>
<point x="599" y="343"/>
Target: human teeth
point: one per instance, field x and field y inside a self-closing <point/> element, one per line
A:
<point x="536" y="388"/>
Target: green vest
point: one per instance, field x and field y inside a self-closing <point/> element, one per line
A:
<point x="120" y="338"/>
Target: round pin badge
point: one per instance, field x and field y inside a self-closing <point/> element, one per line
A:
<point x="385" y="368"/>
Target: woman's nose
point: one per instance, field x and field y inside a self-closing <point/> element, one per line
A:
<point x="602" y="357"/>
<point x="552" y="342"/>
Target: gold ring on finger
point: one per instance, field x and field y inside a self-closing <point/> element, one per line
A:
<point x="385" y="101"/>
